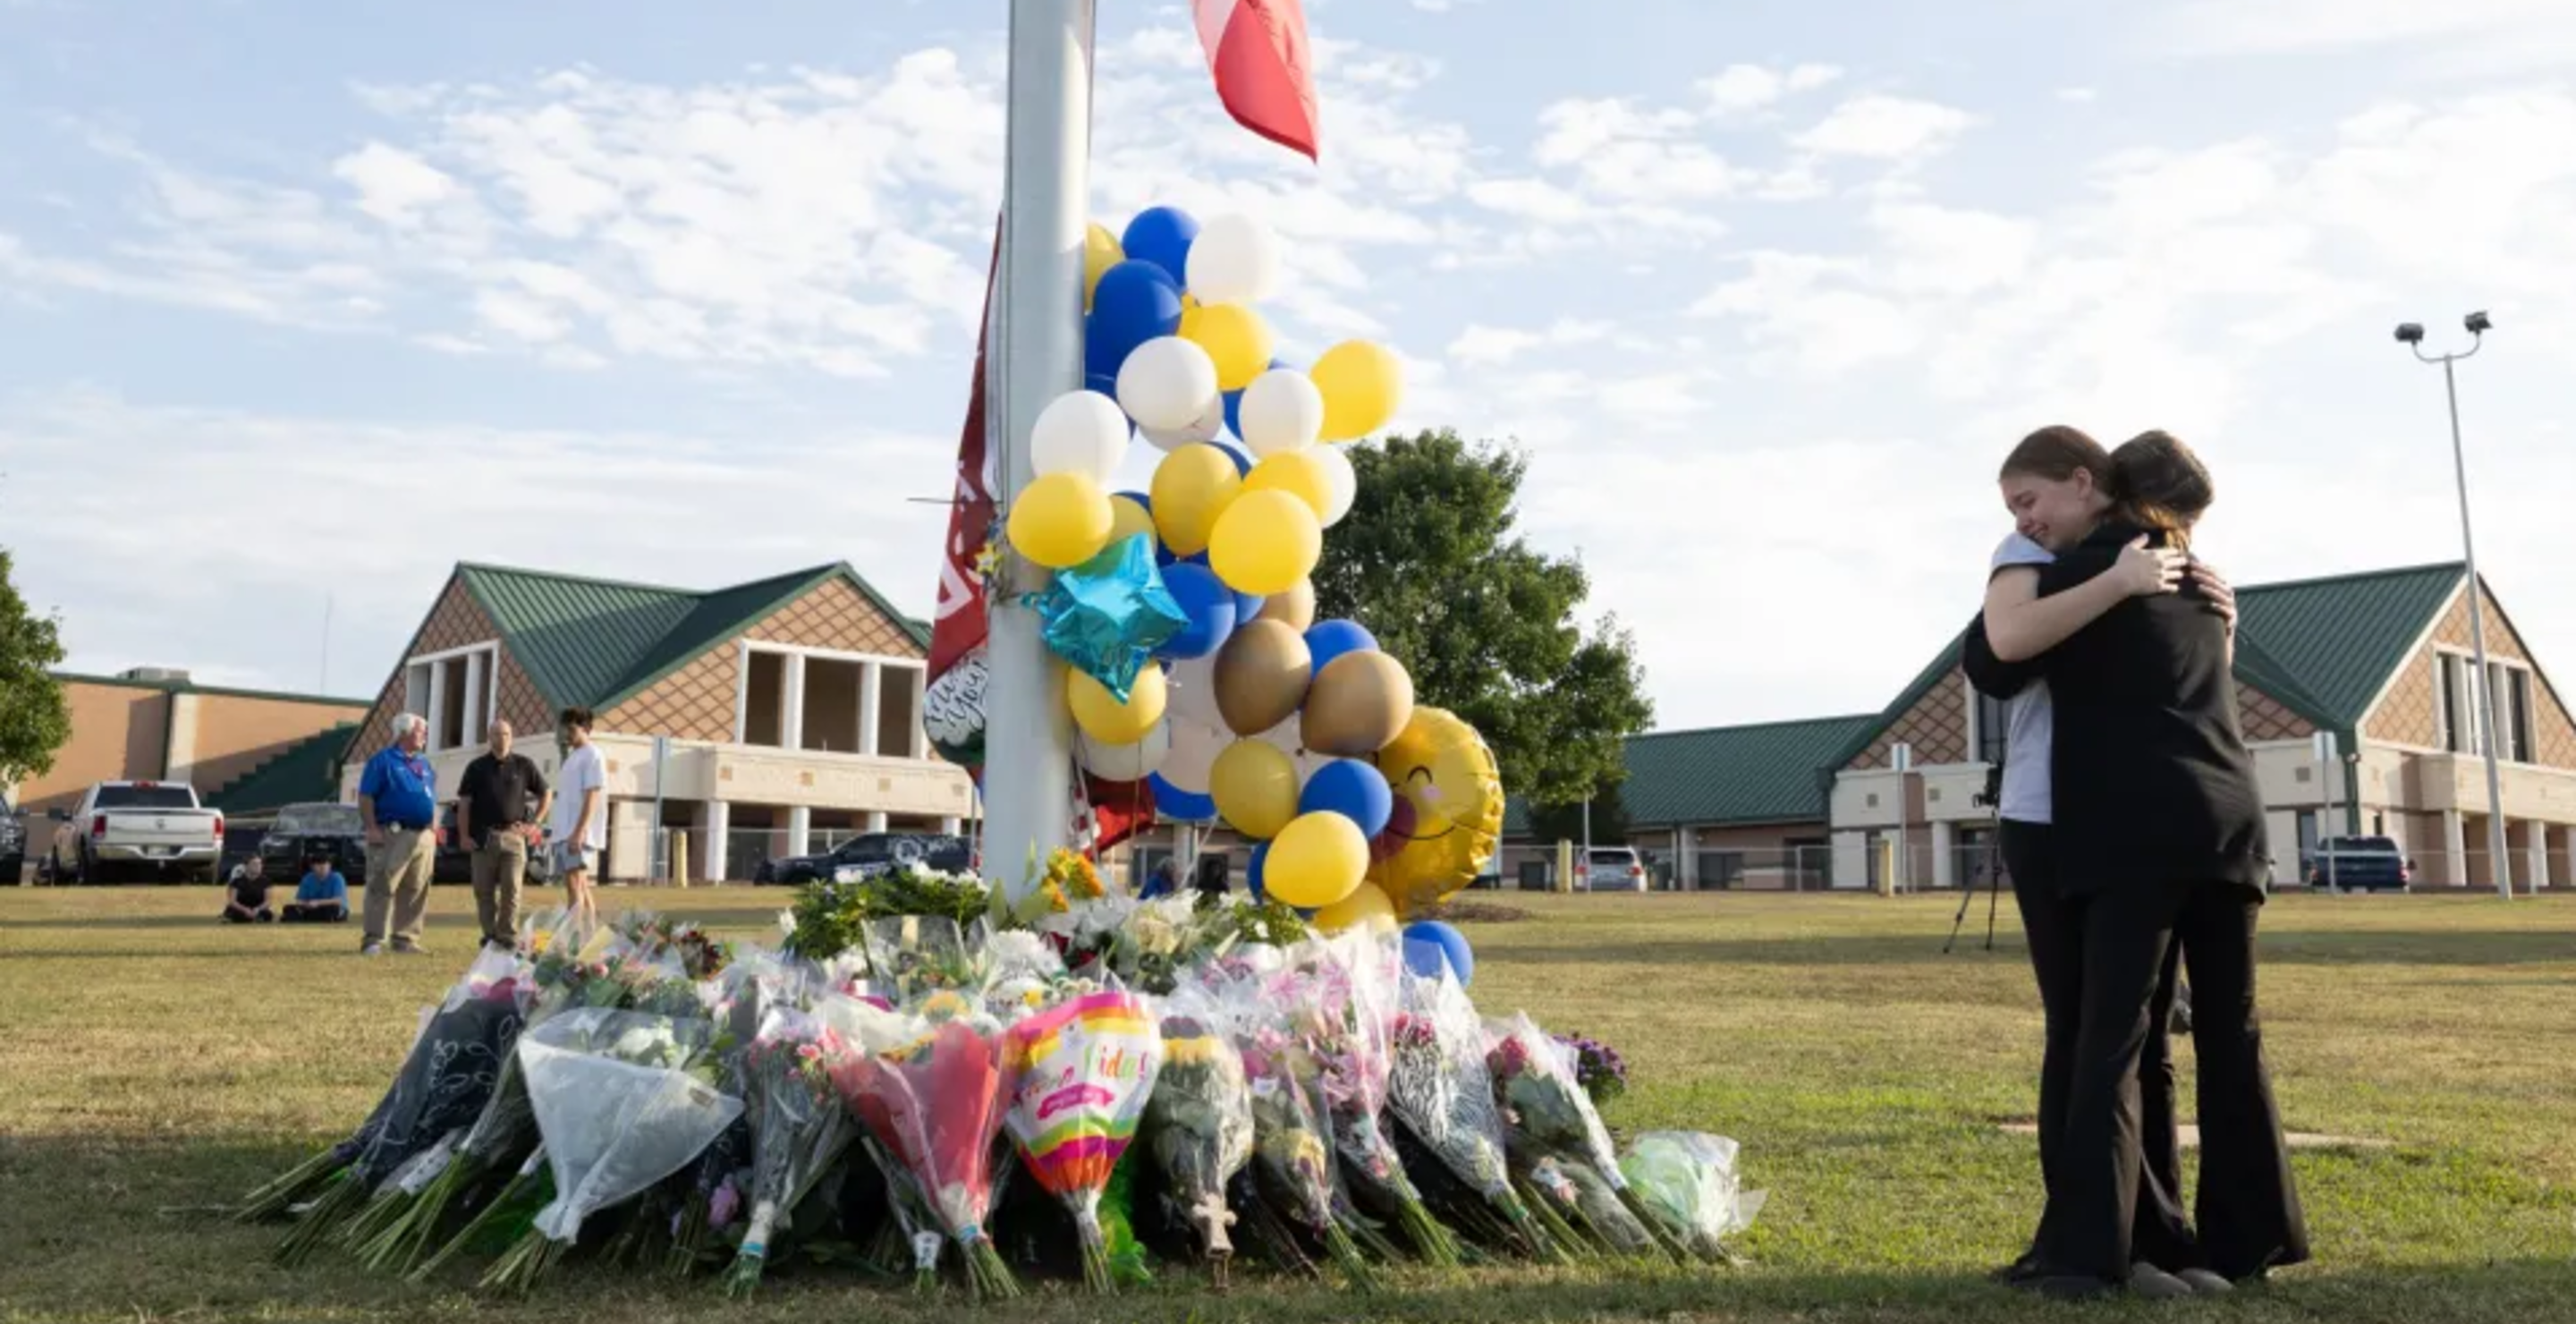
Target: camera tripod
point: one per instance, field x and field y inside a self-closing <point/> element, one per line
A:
<point x="1994" y="882"/>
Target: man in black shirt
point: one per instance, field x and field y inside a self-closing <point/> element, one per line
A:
<point x="500" y="795"/>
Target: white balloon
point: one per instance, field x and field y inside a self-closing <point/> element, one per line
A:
<point x="1235" y="259"/>
<point x="1126" y="763"/>
<point x="1079" y="432"/>
<point x="1280" y="411"/>
<point x="1168" y="383"/>
<point x="1341" y="482"/>
<point x="1205" y="427"/>
<point x="1195" y="746"/>
<point x="1190" y="690"/>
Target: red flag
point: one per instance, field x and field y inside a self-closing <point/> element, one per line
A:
<point x="958" y="627"/>
<point x="1264" y="72"/>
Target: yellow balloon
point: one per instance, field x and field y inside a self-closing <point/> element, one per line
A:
<point x="1266" y="542"/>
<point x="1366" y="906"/>
<point x="1315" y="861"/>
<point x="1100" y="252"/>
<point x="1298" y="472"/>
<point x="1103" y="718"/>
<point x="1254" y="784"/>
<point x="1061" y="519"/>
<point x="1447" y="776"/>
<point x="1235" y="338"/>
<point x="1362" y="383"/>
<point x="1192" y="487"/>
<point x="1128" y="517"/>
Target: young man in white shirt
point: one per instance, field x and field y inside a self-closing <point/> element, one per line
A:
<point x="579" y="827"/>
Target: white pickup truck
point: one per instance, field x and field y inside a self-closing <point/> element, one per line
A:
<point x="154" y="830"/>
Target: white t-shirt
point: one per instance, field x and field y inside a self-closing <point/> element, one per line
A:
<point x="582" y="773"/>
<point x="2030" y="723"/>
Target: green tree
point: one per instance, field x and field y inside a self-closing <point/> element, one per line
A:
<point x="1429" y="560"/>
<point x="34" y="722"/>
<point x="1554" y="823"/>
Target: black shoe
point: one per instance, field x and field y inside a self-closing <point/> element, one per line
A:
<point x="2019" y="1271"/>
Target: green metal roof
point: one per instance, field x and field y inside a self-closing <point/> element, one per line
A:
<point x="595" y="642"/>
<point x="304" y="772"/>
<point x="1722" y="775"/>
<point x="2339" y="639"/>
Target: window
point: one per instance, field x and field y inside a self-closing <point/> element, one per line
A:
<point x="828" y="702"/>
<point x="455" y="692"/>
<point x="1994" y="728"/>
<point x="2454" y="727"/>
<point x="2307" y="837"/>
<point x="2513" y="711"/>
<point x="2459" y="718"/>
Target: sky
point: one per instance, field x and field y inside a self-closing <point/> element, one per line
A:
<point x="304" y="303"/>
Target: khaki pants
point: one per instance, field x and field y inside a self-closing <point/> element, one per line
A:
<point x="500" y="868"/>
<point x="398" y="879"/>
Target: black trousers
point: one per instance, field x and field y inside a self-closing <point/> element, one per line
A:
<point x="316" y="912"/>
<point x="2247" y="1205"/>
<point x="2053" y="924"/>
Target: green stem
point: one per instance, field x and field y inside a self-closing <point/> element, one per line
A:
<point x="317" y="1224"/>
<point x="279" y="1194"/>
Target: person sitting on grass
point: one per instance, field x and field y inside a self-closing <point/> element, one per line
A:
<point x="246" y="901"/>
<point x="322" y="897"/>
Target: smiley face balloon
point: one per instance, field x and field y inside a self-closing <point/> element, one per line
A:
<point x="1448" y="811"/>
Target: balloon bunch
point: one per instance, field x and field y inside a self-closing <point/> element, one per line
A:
<point x="1187" y="610"/>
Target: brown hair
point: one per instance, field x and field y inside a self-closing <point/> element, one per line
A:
<point x="576" y="716"/>
<point x="2055" y="453"/>
<point x="2157" y="483"/>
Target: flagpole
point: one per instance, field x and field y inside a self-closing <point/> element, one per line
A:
<point x="1028" y="742"/>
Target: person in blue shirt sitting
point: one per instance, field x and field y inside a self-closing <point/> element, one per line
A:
<point x="322" y="897"/>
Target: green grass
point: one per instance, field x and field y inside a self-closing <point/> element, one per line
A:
<point x="154" y="1065"/>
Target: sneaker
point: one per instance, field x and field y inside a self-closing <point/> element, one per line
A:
<point x="372" y="949"/>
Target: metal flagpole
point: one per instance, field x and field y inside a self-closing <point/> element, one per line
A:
<point x="1028" y="746"/>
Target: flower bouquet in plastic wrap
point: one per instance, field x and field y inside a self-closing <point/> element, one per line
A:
<point x="1444" y="1095"/>
<point x="1198" y="1123"/>
<point x="1081" y="1073"/>
<point x="1292" y="1149"/>
<point x="799" y="1129"/>
<point x="620" y="1109"/>
<point x="1153" y="947"/>
<point x="911" y="957"/>
<point x="716" y="1198"/>
<point x="446" y="1080"/>
<point x="1556" y="1138"/>
<point x="1346" y="1016"/>
<point x="931" y="1092"/>
<point x="1687" y="1181"/>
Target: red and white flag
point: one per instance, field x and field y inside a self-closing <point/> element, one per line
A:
<point x="1265" y="73"/>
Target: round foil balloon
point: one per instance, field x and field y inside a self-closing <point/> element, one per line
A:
<point x="1358" y="703"/>
<point x="1449" y="810"/>
<point x="1261" y="676"/>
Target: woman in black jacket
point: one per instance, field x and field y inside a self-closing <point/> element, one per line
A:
<point x="2159" y="826"/>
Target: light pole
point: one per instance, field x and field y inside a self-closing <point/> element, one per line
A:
<point x="2411" y="335"/>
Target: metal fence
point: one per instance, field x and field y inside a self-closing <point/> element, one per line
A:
<point x="1786" y="869"/>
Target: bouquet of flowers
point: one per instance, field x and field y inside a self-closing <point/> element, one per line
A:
<point x="620" y="1110"/>
<point x="1555" y="1134"/>
<point x="1198" y="1125"/>
<point x="1347" y="1018"/>
<point x="829" y="917"/>
<point x="912" y="957"/>
<point x="1022" y="975"/>
<point x="750" y="988"/>
<point x="1081" y="1073"/>
<point x="932" y="1095"/>
<point x="1292" y="1149"/>
<point x="1687" y="1181"/>
<point x="798" y="1127"/>
<point x="445" y="1082"/>
<point x="1151" y="947"/>
<point x="1443" y="1093"/>
<point x="1597" y="1067"/>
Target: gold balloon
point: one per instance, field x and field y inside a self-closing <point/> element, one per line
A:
<point x="1254" y="784"/>
<point x="1294" y="608"/>
<point x="1261" y="676"/>
<point x="1451" y="816"/>
<point x="1358" y="703"/>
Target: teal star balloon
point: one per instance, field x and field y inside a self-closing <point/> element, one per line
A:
<point x="1107" y="615"/>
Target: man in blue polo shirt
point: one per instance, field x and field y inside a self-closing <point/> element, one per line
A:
<point x="398" y="798"/>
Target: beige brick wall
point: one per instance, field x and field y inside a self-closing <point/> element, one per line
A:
<point x="236" y="733"/>
<point x="2406" y="714"/>
<point x="696" y="702"/>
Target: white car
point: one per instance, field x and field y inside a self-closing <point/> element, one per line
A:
<point x="1611" y="869"/>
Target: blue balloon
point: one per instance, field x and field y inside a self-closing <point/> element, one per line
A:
<point x="1108" y="615"/>
<point x="1430" y="946"/>
<point x="1133" y="303"/>
<point x="1247" y="606"/>
<point x="1330" y="639"/>
<point x="1353" y="789"/>
<point x="1160" y="237"/>
<point x="1252" y="871"/>
<point x="1179" y="806"/>
<point x="1210" y="605"/>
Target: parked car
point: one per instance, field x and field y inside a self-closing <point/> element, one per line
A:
<point x="2360" y="864"/>
<point x="152" y="830"/>
<point x="867" y="855"/>
<point x="1611" y="869"/>
<point x="13" y="846"/>
<point x="298" y="833"/>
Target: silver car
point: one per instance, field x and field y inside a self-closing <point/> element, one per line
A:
<point x="1611" y="869"/>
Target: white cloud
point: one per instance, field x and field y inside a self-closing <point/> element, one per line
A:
<point x="1746" y="87"/>
<point x="392" y="183"/>
<point x="2465" y="36"/>
<point x="1480" y="344"/>
<point x="1885" y="128"/>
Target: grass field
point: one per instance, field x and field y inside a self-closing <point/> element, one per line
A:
<point x="154" y="1065"/>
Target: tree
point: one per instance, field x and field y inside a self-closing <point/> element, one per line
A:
<point x="1430" y="562"/>
<point x="34" y="722"/>
<point x="1555" y="823"/>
